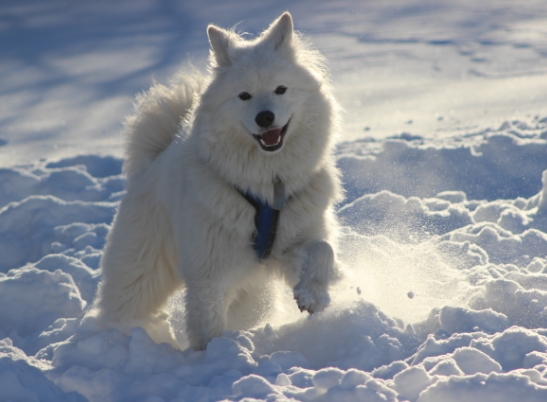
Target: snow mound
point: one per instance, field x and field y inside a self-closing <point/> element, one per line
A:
<point x="490" y="164"/>
<point x="443" y="298"/>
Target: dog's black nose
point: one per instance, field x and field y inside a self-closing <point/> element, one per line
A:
<point x="264" y="118"/>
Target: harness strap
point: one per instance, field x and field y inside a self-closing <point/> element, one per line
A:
<point x="266" y="220"/>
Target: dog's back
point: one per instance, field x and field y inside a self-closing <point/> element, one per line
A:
<point x="140" y="252"/>
<point x="157" y="120"/>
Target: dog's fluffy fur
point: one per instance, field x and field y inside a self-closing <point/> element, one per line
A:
<point x="183" y="221"/>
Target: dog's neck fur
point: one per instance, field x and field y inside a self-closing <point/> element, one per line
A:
<point x="257" y="172"/>
<point x="232" y="153"/>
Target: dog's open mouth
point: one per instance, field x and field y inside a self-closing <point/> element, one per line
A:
<point x="272" y="140"/>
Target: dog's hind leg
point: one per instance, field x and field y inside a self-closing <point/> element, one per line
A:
<point x="138" y="270"/>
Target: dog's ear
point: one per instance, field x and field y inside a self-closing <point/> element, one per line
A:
<point x="220" y="43"/>
<point x="280" y="33"/>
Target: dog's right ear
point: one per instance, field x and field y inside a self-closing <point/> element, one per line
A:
<point x="220" y="43"/>
<point x="280" y="32"/>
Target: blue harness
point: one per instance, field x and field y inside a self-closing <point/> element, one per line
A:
<point x="266" y="219"/>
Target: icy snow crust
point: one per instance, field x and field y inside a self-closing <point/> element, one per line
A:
<point x="444" y="296"/>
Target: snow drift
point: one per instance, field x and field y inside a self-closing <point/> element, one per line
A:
<point x="444" y="296"/>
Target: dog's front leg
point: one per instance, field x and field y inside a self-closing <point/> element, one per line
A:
<point x="312" y="265"/>
<point x="205" y="314"/>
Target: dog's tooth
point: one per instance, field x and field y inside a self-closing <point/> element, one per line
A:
<point x="269" y="145"/>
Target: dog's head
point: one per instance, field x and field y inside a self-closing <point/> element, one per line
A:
<point x="263" y="79"/>
<point x="264" y="82"/>
<point x="268" y="96"/>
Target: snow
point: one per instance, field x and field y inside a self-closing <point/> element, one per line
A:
<point x="444" y="244"/>
<point x="475" y="326"/>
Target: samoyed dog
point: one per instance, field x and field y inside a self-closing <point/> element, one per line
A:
<point x="231" y="182"/>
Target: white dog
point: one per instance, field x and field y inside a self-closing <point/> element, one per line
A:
<point x="230" y="180"/>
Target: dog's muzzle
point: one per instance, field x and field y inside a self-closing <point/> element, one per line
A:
<point x="272" y="140"/>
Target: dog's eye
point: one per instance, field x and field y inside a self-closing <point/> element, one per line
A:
<point x="280" y="90"/>
<point x="245" y="96"/>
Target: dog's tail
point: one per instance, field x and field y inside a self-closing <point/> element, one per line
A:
<point x="157" y="119"/>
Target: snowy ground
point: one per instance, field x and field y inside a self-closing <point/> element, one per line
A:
<point x="445" y="221"/>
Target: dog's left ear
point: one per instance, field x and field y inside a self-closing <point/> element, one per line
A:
<point x="280" y="33"/>
<point x="220" y="45"/>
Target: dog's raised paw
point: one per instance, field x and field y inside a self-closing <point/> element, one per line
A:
<point x="313" y="301"/>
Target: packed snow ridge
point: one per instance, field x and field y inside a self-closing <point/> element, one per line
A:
<point x="444" y="295"/>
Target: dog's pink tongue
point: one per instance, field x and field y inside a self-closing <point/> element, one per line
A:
<point x="271" y="137"/>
